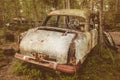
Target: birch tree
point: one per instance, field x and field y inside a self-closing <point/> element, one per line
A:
<point x="101" y="41"/>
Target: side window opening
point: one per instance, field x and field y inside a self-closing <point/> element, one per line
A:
<point x="52" y="21"/>
<point x="92" y="22"/>
<point x="77" y="23"/>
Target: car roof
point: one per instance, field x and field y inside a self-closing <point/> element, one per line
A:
<point x="72" y="12"/>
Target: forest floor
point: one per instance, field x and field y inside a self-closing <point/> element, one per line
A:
<point x="5" y="70"/>
<point x="7" y="61"/>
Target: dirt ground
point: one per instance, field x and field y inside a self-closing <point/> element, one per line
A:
<point x="5" y="69"/>
<point x="5" y="63"/>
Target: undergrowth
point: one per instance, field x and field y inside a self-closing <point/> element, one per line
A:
<point x="30" y="72"/>
<point x="98" y="66"/>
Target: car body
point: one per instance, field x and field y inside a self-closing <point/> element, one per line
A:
<point x="60" y="44"/>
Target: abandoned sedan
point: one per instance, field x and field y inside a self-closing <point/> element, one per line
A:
<point x="62" y="42"/>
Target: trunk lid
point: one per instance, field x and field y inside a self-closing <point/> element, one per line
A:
<point x="55" y="44"/>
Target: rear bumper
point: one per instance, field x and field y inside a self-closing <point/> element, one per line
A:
<point x="48" y="64"/>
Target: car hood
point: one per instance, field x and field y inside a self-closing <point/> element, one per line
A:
<point x="54" y="43"/>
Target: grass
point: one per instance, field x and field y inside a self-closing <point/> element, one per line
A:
<point x="100" y="66"/>
<point x="20" y="68"/>
<point x="96" y="67"/>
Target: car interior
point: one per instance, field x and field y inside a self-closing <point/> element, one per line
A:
<point x="67" y="22"/>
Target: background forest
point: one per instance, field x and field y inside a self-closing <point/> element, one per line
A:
<point x="36" y="10"/>
<point x="17" y="16"/>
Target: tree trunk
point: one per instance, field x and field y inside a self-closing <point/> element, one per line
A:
<point x="101" y="27"/>
<point x="71" y="4"/>
<point x="35" y="13"/>
<point x="27" y="11"/>
<point x="117" y="6"/>
<point x="55" y="4"/>
<point x="91" y="5"/>
<point x="66" y="4"/>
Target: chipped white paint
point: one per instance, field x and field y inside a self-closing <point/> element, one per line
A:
<point x="56" y="45"/>
<point x="51" y="43"/>
<point x="84" y="44"/>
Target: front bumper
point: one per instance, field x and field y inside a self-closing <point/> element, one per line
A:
<point x="48" y="64"/>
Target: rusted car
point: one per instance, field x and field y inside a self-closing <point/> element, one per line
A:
<point x="62" y="42"/>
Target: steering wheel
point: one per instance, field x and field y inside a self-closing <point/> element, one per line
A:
<point x="73" y="23"/>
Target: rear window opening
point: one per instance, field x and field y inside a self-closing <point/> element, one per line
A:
<point x="66" y="22"/>
<point x="57" y="30"/>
